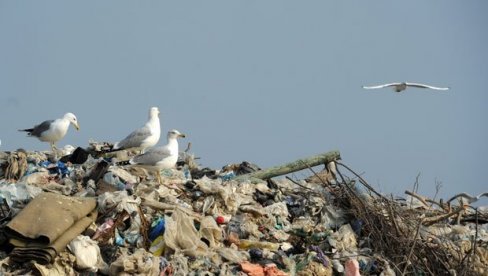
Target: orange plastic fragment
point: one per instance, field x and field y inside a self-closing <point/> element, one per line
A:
<point x="272" y="270"/>
<point x="252" y="269"/>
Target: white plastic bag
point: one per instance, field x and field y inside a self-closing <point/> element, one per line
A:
<point x="87" y="254"/>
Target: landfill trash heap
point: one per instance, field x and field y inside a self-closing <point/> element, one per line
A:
<point x="88" y="213"/>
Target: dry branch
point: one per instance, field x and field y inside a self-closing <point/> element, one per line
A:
<point x="424" y="199"/>
<point x="432" y="220"/>
<point x="396" y="232"/>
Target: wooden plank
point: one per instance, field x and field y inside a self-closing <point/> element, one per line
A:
<point x="297" y="165"/>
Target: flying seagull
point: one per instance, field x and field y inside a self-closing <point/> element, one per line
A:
<point x="470" y="199"/>
<point x="144" y="137"/>
<point x="158" y="158"/>
<point x="53" y="130"/>
<point x="400" y="86"/>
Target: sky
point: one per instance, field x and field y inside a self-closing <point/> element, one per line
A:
<point x="261" y="81"/>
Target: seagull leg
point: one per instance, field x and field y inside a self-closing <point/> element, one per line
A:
<point x="158" y="173"/>
<point x="53" y="147"/>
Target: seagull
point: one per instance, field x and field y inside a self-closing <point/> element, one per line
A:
<point x="400" y="86"/>
<point x="158" y="158"/>
<point x="53" y="130"/>
<point x="144" y="137"/>
<point x="470" y="199"/>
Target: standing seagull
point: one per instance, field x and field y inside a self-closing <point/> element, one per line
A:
<point x="400" y="86"/>
<point x="159" y="158"/>
<point x="53" y="130"/>
<point x="144" y="137"/>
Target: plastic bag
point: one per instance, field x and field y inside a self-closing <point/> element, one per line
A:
<point x="18" y="193"/>
<point x="210" y="231"/>
<point x="232" y="255"/>
<point x="344" y="239"/>
<point x="181" y="235"/>
<point x="87" y="254"/>
<point x="139" y="263"/>
<point x="227" y="193"/>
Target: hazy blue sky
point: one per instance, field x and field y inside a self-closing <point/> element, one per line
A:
<point x="262" y="81"/>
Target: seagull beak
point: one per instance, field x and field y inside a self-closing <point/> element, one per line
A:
<point x="77" y="126"/>
<point x="182" y="135"/>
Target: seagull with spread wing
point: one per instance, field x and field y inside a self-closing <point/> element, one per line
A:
<point x="467" y="197"/>
<point x="400" y="86"/>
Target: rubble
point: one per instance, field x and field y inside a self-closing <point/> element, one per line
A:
<point x="87" y="213"/>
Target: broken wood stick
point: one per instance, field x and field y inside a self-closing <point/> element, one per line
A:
<point x="432" y="220"/>
<point x="297" y="165"/>
<point x="424" y="199"/>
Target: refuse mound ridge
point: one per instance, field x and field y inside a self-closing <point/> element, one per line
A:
<point x="91" y="212"/>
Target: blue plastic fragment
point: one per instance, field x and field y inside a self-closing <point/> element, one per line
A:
<point x="187" y="173"/>
<point x="113" y="180"/>
<point x="55" y="168"/>
<point x="118" y="239"/>
<point x="157" y="228"/>
<point x="227" y="176"/>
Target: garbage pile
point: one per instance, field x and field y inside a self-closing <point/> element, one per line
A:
<point x="88" y="213"/>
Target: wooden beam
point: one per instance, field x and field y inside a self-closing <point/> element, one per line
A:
<point x="297" y="165"/>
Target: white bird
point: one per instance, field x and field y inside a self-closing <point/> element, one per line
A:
<point x="158" y="158"/>
<point x="53" y="130"/>
<point x="144" y="137"/>
<point x="469" y="198"/>
<point x="400" y="86"/>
